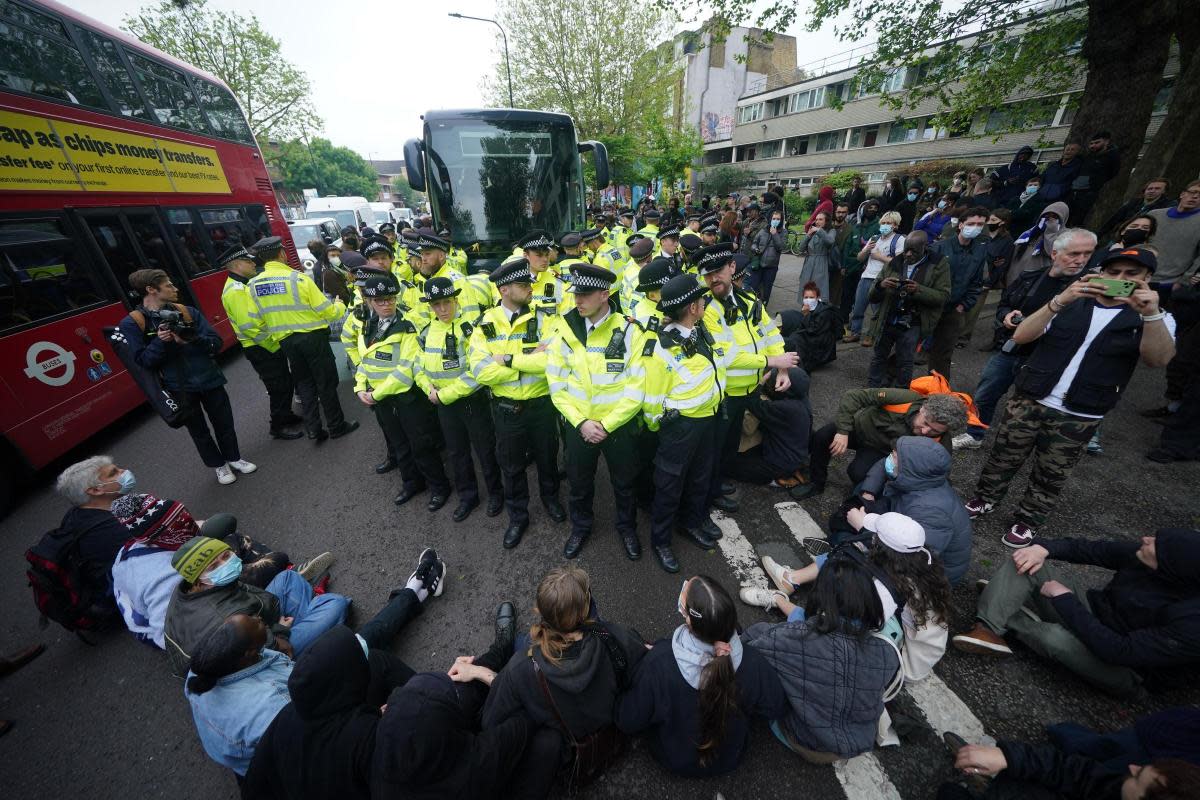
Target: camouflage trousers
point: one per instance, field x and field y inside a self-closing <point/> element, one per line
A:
<point x="1056" y="441"/>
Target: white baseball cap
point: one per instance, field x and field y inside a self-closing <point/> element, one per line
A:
<point x="898" y="531"/>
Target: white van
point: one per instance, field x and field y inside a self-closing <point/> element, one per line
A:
<point x="354" y="211"/>
<point x="384" y="212"/>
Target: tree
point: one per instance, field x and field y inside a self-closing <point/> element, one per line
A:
<point x="671" y="151"/>
<point x="328" y="169"/>
<point x="725" y="178"/>
<point x="238" y="50"/>
<point x="1122" y="46"/>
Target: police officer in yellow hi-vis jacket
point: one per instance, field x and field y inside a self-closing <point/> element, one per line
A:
<point x="549" y="299"/>
<point x="508" y="355"/>
<point x="290" y="308"/>
<point x="597" y="251"/>
<point x="685" y="378"/>
<point x="596" y="379"/>
<point x="444" y="375"/>
<point x="741" y="324"/>
<point x="262" y="351"/>
<point x="386" y="381"/>
<point x="640" y="252"/>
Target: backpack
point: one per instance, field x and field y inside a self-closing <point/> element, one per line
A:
<point x="62" y="589"/>
<point x="174" y="407"/>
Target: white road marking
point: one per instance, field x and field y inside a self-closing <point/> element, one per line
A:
<point x="739" y="553"/>
<point x="945" y="711"/>
<point x="863" y="778"/>
<point x="797" y="519"/>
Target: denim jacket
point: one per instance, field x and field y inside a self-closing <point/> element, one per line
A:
<point x="233" y="715"/>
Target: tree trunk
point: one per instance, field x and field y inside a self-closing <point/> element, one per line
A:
<point x="1173" y="153"/>
<point x="1126" y="49"/>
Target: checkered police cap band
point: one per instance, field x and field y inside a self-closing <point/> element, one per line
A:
<point x="711" y="227"/>
<point x="714" y="260"/>
<point x="590" y="235"/>
<point x="376" y="247"/>
<point x="670" y="230"/>
<point x="682" y="300"/>
<point x="439" y="291"/>
<point x="516" y="274"/>
<point x="432" y="242"/>
<point x="584" y="282"/>
<point x="540" y="242"/>
<point x="233" y="255"/>
<point x="380" y="287"/>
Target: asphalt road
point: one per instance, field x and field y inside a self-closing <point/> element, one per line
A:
<point x="110" y="721"/>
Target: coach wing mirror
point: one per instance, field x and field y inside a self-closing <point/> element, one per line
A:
<point x="599" y="159"/>
<point x="413" y="150"/>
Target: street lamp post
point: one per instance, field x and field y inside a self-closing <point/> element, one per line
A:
<point x="507" y="65"/>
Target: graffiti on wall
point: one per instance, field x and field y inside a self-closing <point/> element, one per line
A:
<point x="715" y="127"/>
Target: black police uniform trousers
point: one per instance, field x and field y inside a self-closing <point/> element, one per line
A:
<point x="683" y="469"/>
<point x="273" y="371"/>
<point x="621" y="455"/>
<point x="410" y="423"/>
<point x="819" y="456"/>
<point x="213" y="403"/>
<point x="525" y="428"/>
<point x="728" y="437"/>
<point x="466" y="425"/>
<point x="314" y="371"/>
<point x="647" y="446"/>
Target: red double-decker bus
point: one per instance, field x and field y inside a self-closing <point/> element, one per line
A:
<point x="114" y="157"/>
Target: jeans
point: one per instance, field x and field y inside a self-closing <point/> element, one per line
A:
<point x="313" y="615"/>
<point x="761" y="281"/>
<point x="861" y="296"/>
<point x="998" y="375"/>
<point x="215" y="404"/>
<point x="904" y="340"/>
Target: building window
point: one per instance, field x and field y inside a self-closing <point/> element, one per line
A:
<point x="895" y="81"/>
<point x="805" y="101"/>
<point x="796" y="146"/>
<point x="903" y="131"/>
<point x="864" y="137"/>
<point x="829" y="141"/>
<point x="716" y="54"/>
<point x="777" y="107"/>
<point x="750" y="113"/>
<point x="749" y="152"/>
<point x="771" y="149"/>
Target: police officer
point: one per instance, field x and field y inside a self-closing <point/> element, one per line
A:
<point x="434" y="264"/>
<point x="641" y="251"/>
<point x="292" y="310"/>
<point x="668" y="245"/>
<point x="596" y="382"/>
<point x="262" y="352"/>
<point x="570" y="247"/>
<point x="508" y="355"/>
<point x="650" y="229"/>
<point x="386" y="382"/>
<point x="710" y="228"/>
<point x="597" y="251"/>
<point x="685" y="376"/>
<point x="620" y="232"/>
<point x="651" y="278"/>
<point x="378" y="253"/>
<point x="693" y="223"/>
<point x="689" y="243"/>
<point x="549" y="298"/>
<point x="388" y="231"/>
<point x="741" y="324"/>
<point x="443" y="374"/>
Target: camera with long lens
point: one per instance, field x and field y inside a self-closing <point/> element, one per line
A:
<point x="175" y="323"/>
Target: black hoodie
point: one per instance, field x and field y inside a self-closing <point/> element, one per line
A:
<point x="786" y="422"/>
<point x="321" y="744"/>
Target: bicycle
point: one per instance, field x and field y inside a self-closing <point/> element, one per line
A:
<point x="795" y="242"/>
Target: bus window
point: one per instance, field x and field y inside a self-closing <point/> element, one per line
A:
<point x="258" y="218"/>
<point x="190" y="237"/>
<point x="116" y="247"/>
<point x="168" y="93"/>
<point x="113" y="74"/>
<point x="228" y="227"/>
<point x="223" y="112"/>
<point x="42" y="273"/>
<point x="38" y="58"/>
<point x="149" y="235"/>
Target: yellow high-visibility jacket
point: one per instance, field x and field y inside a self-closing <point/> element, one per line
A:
<point x="597" y="375"/>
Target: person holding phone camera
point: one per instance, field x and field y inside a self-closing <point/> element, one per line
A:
<point x="1090" y="337"/>
<point x="177" y="342"/>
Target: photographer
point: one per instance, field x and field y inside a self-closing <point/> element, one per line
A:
<point x="177" y="342"/>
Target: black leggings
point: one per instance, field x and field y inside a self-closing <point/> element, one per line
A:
<point x="818" y="465"/>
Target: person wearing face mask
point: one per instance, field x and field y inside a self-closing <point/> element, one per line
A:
<point x="1012" y="178"/>
<point x="1152" y="196"/>
<point x="1027" y="204"/>
<point x="1031" y="250"/>
<point x="812" y="331"/>
<point x="768" y="245"/>
<point x="937" y="217"/>
<point x="911" y="292"/>
<point x="999" y="244"/>
<point x="967" y="256"/>
<point x="695" y="692"/>
<point x="336" y="281"/>
<point x="211" y="591"/>
<point x="907" y="209"/>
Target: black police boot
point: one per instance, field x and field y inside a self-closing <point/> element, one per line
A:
<point x="727" y="487"/>
<point x="408" y="493"/>
<point x="666" y="559"/>
<point x="385" y="466"/>
<point x="347" y="426"/>
<point x="805" y="491"/>
<point x="711" y="529"/>
<point x="512" y="536"/>
<point x="574" y="545"/>
<point x="437" y="500"/>
<point x="726" y="504"/>
<point x="555" y="509"/>
<point x="633" y="548"/>
<point x="285" y="434"/>
<point x="464" y="510"/>
<point x="319" y="436"/>
<point x="495" y="505"/>
<point x="698" y="537"/>
<point x="506" y="627"/>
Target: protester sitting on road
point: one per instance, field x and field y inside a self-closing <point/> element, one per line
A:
<point x="914" y="480"/>
<point x="1141" y="629"/>
<point x="869" y="421"/>
<point x="694" y="693"/>
<point x="833" y="664"/>
<point x="323" y="742"/>
<point x="210" y="592"/>
<point x="1171" y="733"/>
<point x="784" y="422"/>
<point x="585" y="664"/>
<point x="813" y="331"/>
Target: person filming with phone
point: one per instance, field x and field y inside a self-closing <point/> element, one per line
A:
<point x="1090" y="337"/>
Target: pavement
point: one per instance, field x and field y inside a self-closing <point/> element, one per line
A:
<point x="109" y="720"/>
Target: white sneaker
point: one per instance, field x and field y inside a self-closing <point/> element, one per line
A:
<point x="763" y="598"/>
<point x="242" y="466"/>
<point x="225" y="475"/>
<point x="776" y="571"/>
<point x="965" y="441"/>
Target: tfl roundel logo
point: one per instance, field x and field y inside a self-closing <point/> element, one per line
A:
<point x="50" y="363"/>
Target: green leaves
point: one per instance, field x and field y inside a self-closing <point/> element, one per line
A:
<point x="725" y="178"/>
<point x="328" y="169"/>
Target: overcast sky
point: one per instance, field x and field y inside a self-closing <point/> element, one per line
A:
<point x="397" y="59"/>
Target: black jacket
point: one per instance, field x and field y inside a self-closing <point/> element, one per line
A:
<point x="1032" y="289"/>
<point x="907" y="209"/>
<point x="786" y="423"/>
<point x="102" y="537"/>
<point x="662" y="703"/>
<point x="184" y="367"/>
<point x="321" y="744"/>
<point x="1070" y="777"/>
<point x="813" y="335"/>
<point x="1145" y="619"/>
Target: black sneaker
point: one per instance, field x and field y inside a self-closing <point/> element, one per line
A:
<point x="430" y="571"/>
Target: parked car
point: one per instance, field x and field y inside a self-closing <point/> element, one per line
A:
<point x="305" y="230"/>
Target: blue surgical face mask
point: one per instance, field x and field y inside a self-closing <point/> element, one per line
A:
<point x="227" y="573"/>
<point x="889" y="466"/>
<point x="941" y="203"/>
<point x="1030" y="191"/>
<point x="912" y="195"/>
<point x="970" y="231"/>
<point x="125" y="480"/>
<point x="885" y="229"/>
<point x="774" y="223"/>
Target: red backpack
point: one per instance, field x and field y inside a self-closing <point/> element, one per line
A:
<point x="63" y="590"/>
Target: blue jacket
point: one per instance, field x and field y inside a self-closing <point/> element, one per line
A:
<point x="922" y="491"/>
<point x="184" y="367"/>
<point x="932" y="223"/>
<point x="233" y="715"/>
<point x="967" y="266"/>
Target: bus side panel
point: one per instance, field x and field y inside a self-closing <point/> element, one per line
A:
<point x="207" y="290"/>
<point x="67" y="382"/>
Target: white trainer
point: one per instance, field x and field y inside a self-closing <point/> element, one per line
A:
<point x="763" y="598"/>
<point x="243" y="466"/>
<point x="225" y="475"/>
<point x="965" y="441"/>
<point x="776" y="572"/>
